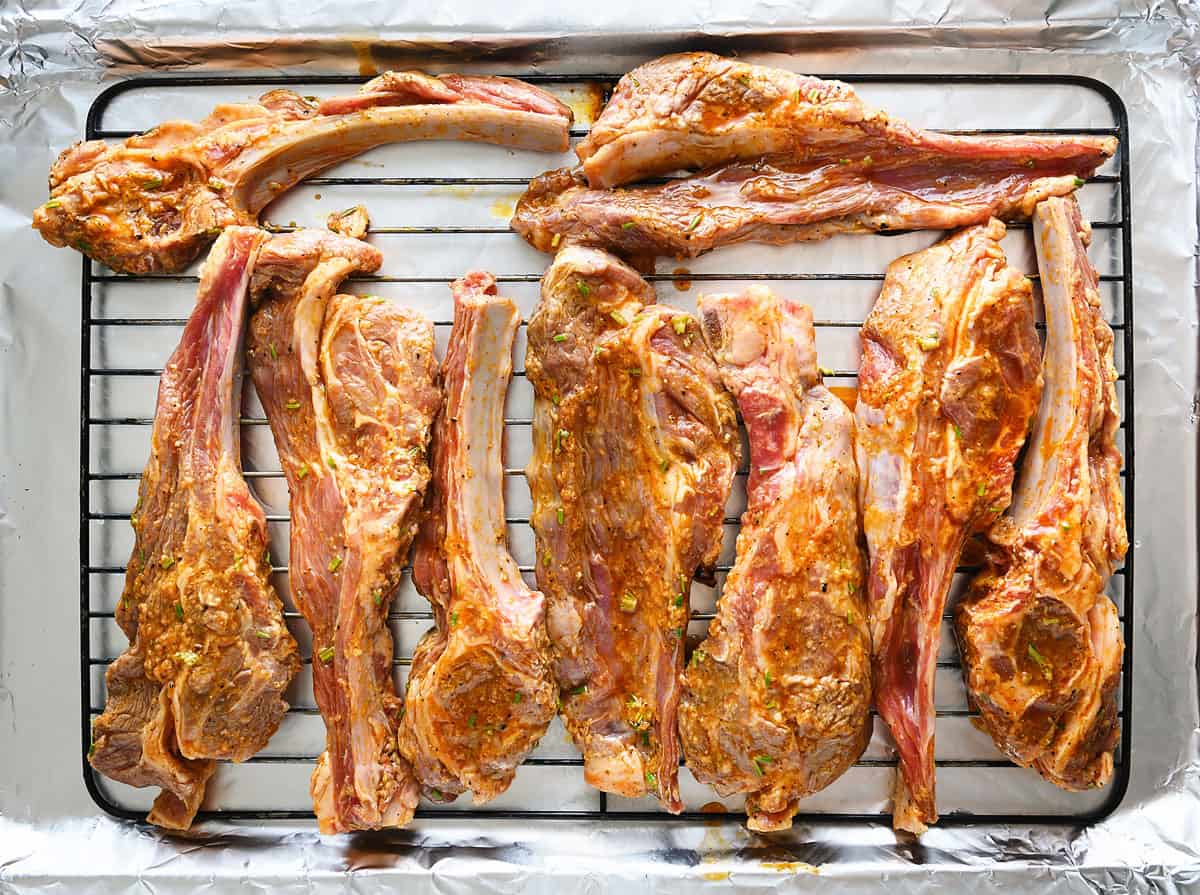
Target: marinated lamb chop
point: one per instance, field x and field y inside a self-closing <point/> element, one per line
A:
<point x="785" y="157"/>
<point x="481" y="691"/>
<point x="348" y="385"/>
<point x="634" y="448"/>
<point x="949" y="382"/>
<point x="777" y="699"/>
<point x="1041" y="642"/>
<point x="209" y="655"/>
<point x="152" y="202"/>
<point x="698" y="110"/>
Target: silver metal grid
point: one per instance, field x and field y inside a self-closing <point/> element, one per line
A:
<point x="439" y="210"/>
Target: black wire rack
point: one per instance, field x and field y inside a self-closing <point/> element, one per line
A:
<point x="94" y="429"/>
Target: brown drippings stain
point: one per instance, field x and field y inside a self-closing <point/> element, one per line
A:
<point x="586" y="102"/>
<point x="504" y="207"/>
<point x="366" y="59"/>
<point x="847" y="393"/>
<point x="716" y="877"/>
<point x="792" y="867"/>
<point x="460" y="192"/>
<point x="681" y="285"/>
<point x="712" y="808"/>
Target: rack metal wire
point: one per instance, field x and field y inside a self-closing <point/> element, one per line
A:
<point x="95" y="472"/>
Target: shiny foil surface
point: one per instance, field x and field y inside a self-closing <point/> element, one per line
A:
<point x="55" y="60"/>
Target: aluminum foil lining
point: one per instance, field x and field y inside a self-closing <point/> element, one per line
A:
<point x="54" y="61"/>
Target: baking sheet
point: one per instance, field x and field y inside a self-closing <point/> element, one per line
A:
<point x="48" y="828"/>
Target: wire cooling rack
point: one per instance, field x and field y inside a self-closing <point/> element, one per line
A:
<point x="440" y="209"/>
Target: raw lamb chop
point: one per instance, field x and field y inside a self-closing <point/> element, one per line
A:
<point x="777" y="699"/>
<point x="348" y="385"/>
<point x="949" y="382"/>
<point x="480" y="692"/>
<point x="697" y="110"/>
<point x="1041" y="641"/>
<point x="152" y="202"/>
<point x="635" y="445"/>
<point x="787" y="157"/>
<point x="209" y="655"/>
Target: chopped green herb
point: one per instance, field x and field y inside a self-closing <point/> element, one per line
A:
<point x="760" y="761"/>
<point x="628" y="225"/>
<point x="216" y="184"/>
<point x="274" y="353"/>
<point x="556" y="400"/>
<point x="578" y="690"/>
<point x="436" y="795"/>
<point x="301" y="472"/>
<point x="651" y="780"/>
<point x="377" y="596"/>
<point x="664" y="464"/>
<point x="640" y="713"/>
<point x="292" y="404"/>
<point x="981" y="490"/>
<point x="331" y="463"/>
<point x="679" y="324"/>
<point x="1065" y="525"/>
<point x="929" y="342"/>
<point x="153" y="182"/>
<point x="694" y="224"/>
<point x="850" y="616"/>
<point x="1040" y="660"/>
<point x="267" y="557"/>
<point x="187" y="657"/>
<point x="92" y="749"/>
<point x="53" y="203"/>
<point x="850" y="585"/>
<point x="471" y="722"/>
<point x="1079" y="181"/>
<point x="618" y="318"/>
<point x="678" y="600"/>
<point x="335" y="563"/>
<point x="167" y="561"/>
<point x="263" y="635"/>
<point x="843" y="161"/>
<point x="584" y="289"/>
<point x="517" y="697"/>
<point x="628" y="602"/>
<point x="1029" y="163"/>
<point x="957" y="431"/>
<point x="867" y="160"/>
<point x="825" y="371"/>
<point x="547" y="559"/>
<point x="326" y="654"/>
<point x="698" y="656"/>
<point x="562" y="515"/>
<point x="562" y="433"/>
<point x="561" y="337"/>
<point x="676" y="633"/>
<point x="767" y="678"/>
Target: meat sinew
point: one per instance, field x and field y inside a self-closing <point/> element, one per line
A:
<point x="209" y="656"/>
<point x="348" y="385"/>
<point x="777" y="699"/>
<point x="635" y="445"/>
<point x="949" y="382"/>
<point x="152" y="202"/>
<point x="481" y="692"/>
<point x="1041" y="641"/>
<point x="787" y="157"/>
